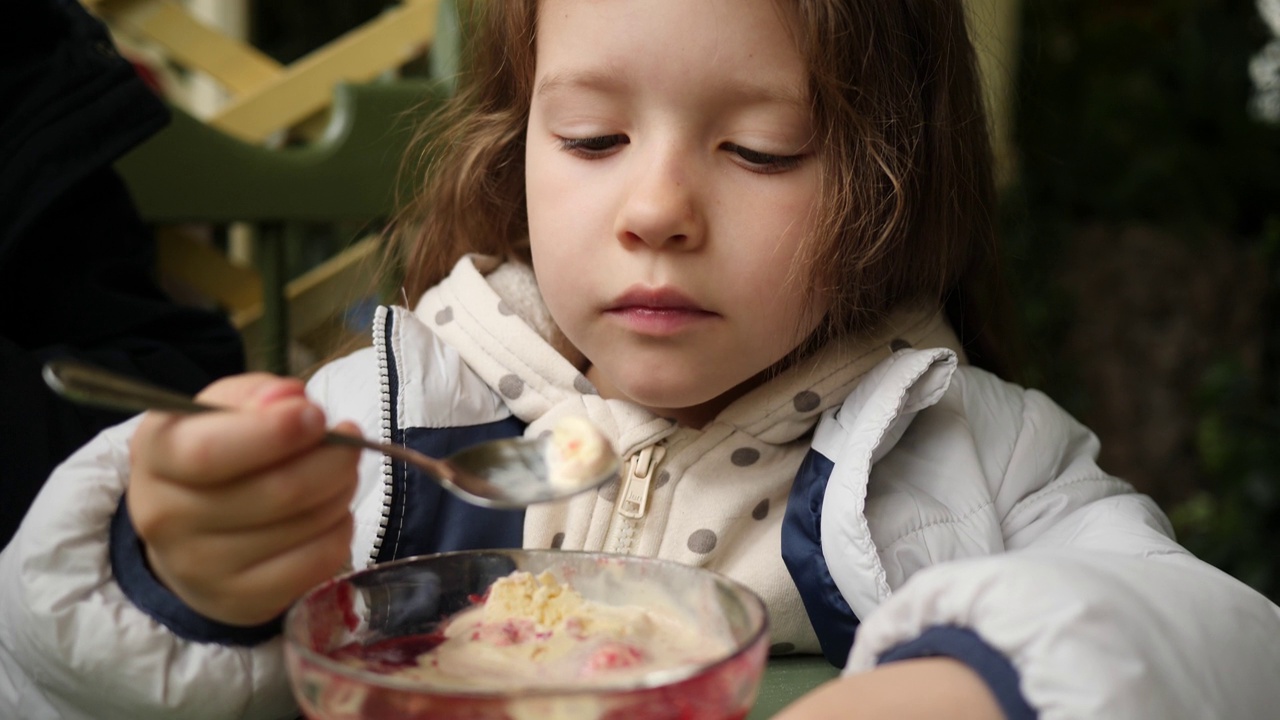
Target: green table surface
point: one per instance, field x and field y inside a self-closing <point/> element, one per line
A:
<point x="787" y="678"/>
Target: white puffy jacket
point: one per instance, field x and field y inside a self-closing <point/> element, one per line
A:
<point x="925" y="504"/>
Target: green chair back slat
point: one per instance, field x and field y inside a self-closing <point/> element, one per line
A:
<point x="190" y="172"/>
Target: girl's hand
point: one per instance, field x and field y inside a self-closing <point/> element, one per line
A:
<point x="926" y="689"/>
<point x="241" y="512"/>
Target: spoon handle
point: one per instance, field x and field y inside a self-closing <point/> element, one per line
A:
<point x="89" y="385"/>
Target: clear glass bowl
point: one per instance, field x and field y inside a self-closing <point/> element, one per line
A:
<point x="407" y="599"/>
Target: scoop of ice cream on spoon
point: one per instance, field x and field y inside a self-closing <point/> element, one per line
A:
<point x="578" y="454"/>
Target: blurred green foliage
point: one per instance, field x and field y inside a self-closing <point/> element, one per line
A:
<point x="1137" y="112"/>
<point x="1235" y="522"/>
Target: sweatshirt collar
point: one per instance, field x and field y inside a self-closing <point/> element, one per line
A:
<point x="493" y="315"/>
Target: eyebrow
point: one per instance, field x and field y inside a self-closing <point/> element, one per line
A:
<point x="595" y="79"/>
<point x="605" y="79"/>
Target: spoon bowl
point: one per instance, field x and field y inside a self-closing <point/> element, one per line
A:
<point x="505" y="473"/>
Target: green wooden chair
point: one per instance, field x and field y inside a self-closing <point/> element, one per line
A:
<point x="193" y="173"/>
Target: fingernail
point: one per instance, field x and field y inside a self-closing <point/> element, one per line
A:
<point x="273" y="391"/>
<point x="312" y="418"/>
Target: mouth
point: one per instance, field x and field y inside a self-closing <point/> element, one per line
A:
<point x="661" y="311"/>
<point x="655" y="299"/>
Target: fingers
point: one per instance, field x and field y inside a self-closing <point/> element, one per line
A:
<point x="269" y="419"/>
<point x="241" y="551"/>
<point x="286" y="576"/>
<point x="303" y="554"/>
<point x="242" y="511"/>
<point x="250" y="390"/>
<point x="275" y="495"/>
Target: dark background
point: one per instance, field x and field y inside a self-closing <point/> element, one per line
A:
<point x="1144" y="233"/>
<point x="1142" y="229"/>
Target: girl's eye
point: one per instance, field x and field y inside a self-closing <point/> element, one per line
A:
<point x="593" y="147"/>
<point x="763" y="162"/>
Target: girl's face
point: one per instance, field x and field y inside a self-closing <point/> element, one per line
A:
<point x="670" y="182"/>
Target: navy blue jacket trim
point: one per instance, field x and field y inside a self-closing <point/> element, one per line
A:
<point x="833" y="620"/>
<point x="969" y="648"/>
<point x="425" y="518"/>
<point x="129" y="564"/>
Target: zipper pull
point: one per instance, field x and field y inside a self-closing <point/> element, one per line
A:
<point x="639" y="481"/>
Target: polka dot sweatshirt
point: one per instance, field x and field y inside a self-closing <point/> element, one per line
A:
<point x="711" y="497"/>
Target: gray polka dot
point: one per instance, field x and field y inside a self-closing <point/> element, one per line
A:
<point x="664" y="477"/>
<point x="511" y="386"/>
<point x="702" y="541"/>
<point x="743" y="457"/>
<point x="445" y="316"/>
<point x="557" y="541"/>
<point x="504" y="308"/>
<point x="782" y="648"/>
<point x="584" y="386"/>
<point x="609" y="491"/>
<point x="806" y="401"/>
<point x="899" y="344"/>
<point x="760" y="511"/>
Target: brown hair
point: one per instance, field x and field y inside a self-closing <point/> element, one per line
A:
<point x="908" y="197"/>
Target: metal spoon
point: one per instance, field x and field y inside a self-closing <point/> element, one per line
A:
<point x="507" y="473"/>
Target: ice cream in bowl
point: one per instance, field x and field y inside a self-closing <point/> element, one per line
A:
<point x="518" y="634"/>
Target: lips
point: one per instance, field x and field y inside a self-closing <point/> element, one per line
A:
<point x="656" y="299"/>
<point x="657" y="312"/>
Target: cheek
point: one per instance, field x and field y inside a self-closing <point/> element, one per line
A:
<point x="536" y="188"/>
<point x="786" y="315"/>
<point x="548" y="219"/>
<point x="559" y="284"/>
<point x="780" y="292"/>
<point x="560" y="202"/>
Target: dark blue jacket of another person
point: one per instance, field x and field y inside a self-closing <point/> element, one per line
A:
<point x="77" y="265"/>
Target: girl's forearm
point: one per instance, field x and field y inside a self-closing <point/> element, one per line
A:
<point x="924" y="689"/>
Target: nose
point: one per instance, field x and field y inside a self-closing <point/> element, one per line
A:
<point x="660" y="207"/>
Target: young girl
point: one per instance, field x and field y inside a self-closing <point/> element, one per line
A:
<point x="740" y="236"/>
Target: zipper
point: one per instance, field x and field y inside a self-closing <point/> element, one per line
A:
<point x="639" y="483"/>
<point x="382" y="326"/>
<point x="633" y="500"/>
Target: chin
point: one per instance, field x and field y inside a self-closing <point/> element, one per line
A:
<point x="665" y="383"/>
<point x="672" y="399"/>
